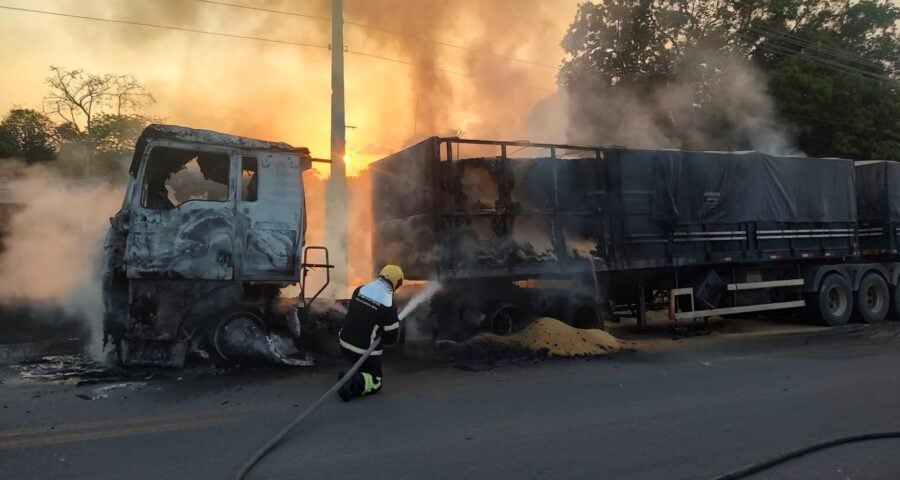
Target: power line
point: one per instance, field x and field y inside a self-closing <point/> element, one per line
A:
<point x="795" y="39"/>
<point x="412" y="64"/>
<point x="267" y="10"/>
<point x="837" y="60"/>
<point x="385" y="30"/>
<point x="826" y="62"/>
<point x="244" y="37"/>
<point x="164" y="27"/>
<point x="451" y="45"/>
<point x="439" y="69"/>
<point x="847" y="60"/>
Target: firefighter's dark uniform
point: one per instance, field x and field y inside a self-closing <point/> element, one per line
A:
<point x="371" y="314"/>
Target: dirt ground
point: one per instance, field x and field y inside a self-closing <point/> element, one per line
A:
<point x="662" y="333"/>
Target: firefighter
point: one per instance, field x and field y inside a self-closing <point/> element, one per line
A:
<point x="371" y="314"/>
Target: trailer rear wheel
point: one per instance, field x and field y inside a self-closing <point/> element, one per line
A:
<point x="873" y="299"/>
<point x="832" y="304"/>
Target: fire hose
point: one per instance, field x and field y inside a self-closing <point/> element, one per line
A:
<point x="735" y="475"/>
<point x="794" y="454"/>
<point x="423" y="296"/>
<point x="240" y="474"/>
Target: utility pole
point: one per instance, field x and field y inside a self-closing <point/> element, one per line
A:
<point x="336" y="189"/>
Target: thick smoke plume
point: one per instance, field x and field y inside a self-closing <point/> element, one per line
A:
<point x="404" y="78"/>
<point x="280" y="92"/>
<point x="429" y="88"/>
<point x="52" y="251"/>
<point x="716" y="102"/>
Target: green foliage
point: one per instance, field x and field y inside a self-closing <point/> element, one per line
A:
<point x="116" y="134"/>
<point x="28" y="134"/>
<point x="100" y="123"/>
<point x="830" y="66"/>
<point x="837" y="114"/>
<point x="838" y="87"/>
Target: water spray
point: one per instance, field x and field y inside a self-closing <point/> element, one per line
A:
<point x="418" y="299"/>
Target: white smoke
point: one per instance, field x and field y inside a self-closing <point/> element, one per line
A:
<point x="718" y="103"/>
<point x="53" y="248"/>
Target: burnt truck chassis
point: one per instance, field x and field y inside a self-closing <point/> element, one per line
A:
<point x="200" y="266"/>
<point x="589" y="234"/>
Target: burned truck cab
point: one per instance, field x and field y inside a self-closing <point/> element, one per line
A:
<point x="210" y="230"/>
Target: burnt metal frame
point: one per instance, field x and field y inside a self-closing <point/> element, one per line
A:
<point x="563" y="266"/>
<point x="306" y="266"/>
<point x="613" y="245"/>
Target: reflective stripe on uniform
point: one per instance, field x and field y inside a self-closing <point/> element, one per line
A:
<point x="392" y="326"/>
<point x="372" y="383"/>
<point x="355" y="349"/>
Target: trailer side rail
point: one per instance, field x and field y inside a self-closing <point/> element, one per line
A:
<point x="692" y="313"/>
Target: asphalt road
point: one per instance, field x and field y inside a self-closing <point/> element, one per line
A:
<point x="688" y="411"/>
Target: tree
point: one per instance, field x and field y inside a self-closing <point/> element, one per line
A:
<point x="113" y="139"/>
<point x="834" y="78"/>
<point x="28" y="134"/>
<point x="101" y="118"/>
<point x="642" y="42"/>
<point x="649" y="73"/>
<point x="116" y="134"/>
<point x="78" y="97"/>
<point x="675" y="68"/>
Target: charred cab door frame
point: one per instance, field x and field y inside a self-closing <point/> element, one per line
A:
<point x="193" y="240"/>
<point x="269" y="230"/>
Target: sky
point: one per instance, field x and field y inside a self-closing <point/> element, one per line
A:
<point x="282" y="92"/>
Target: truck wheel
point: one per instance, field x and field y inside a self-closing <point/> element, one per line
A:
<point x="240" y="334"/>
<point x="585" y="315"/>
<point x="833" y="303"/>
<point x="873" y="300"/>
<point x="506" y="320"/>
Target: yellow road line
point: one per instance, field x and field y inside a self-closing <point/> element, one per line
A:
<point x="131" y="421"/>
<point x="98" y="424"/>
<point x="113" y="433"/>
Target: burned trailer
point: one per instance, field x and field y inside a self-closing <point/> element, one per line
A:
<point x="591" y="233"/>
<point x="210" y="229"/>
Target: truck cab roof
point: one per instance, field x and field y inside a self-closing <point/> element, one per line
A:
<point x="204" y="137"/>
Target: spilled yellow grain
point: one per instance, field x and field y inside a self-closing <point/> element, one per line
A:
<point x="558" y="338"/>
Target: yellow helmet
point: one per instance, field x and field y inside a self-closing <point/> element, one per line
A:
<point x="393" y="274"/>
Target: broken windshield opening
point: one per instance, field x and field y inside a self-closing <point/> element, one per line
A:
<point x="175" y="176"/>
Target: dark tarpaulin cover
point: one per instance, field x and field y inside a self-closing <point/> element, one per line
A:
<point x="893" y="190"/>
<point x="713" y="187"/>
<point x="878" y="190"/>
